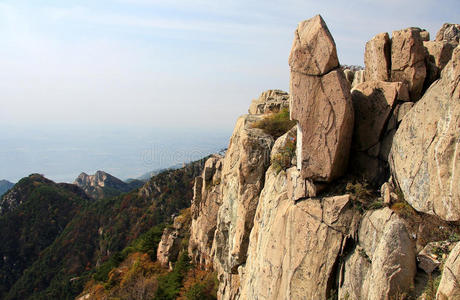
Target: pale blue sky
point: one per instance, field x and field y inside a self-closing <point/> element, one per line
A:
<point x="169" y="64"/>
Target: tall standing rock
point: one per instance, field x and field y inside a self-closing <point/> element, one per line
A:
<point x="243" y="172"/>
<point x="206" y="201"/>
<point x="425" y="159"/>
<point x="313" y="50"/>
<point x="377" y="58"/>
<point x="321" y="103"/>
<point x="408" y="60"/>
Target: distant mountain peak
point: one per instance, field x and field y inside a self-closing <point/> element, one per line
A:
<point x="5" y="185"/>
<point x="102" y="184"/>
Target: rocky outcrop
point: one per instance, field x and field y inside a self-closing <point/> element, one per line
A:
<point x="320" y="102"/>
<point x="294" y="247"/>
<point x="376" y="106"/>
<point x="449" y="287"/>
<point x="438" y="55"/>
<point x="358" y="78"/>
<point x="408" y="60"/>
<point x="102" y="184"/>
<point x="269" y="101"/>
<point x="206" y="201"/>
<point x="171" y="240"/>
<point x="313" y="50"/>
<point x="373" y="102"/>
<point x="243" y="171"/>
<point x="424" y="158"/>
<point x="291" y="231"/>
<point x="377" y="58"/>
<point x="449" y="33"/>
<point x="383" y="263"/>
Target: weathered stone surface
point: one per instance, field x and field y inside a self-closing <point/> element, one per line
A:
<point x="449" y="287"/>
<point x="438" y="55"/>
<point x="284" y="143"/>
<point x="425" y="160"/>
<point x="205" y="205"/>
<point x="383" y="263"/>
<point x="403" y="109"/>
<point x="323" y="108"/>
<point x="243" y="170"/>
<point x="297" y="187"/>
<point x="269" y="101"/>
<point x="425" y="35"/>
<point x="313" y="50"/>
<point x="170" y="244"/>
<point x="358" y="78"/>
<point x="372" y="103"/>
<point x="377" y="58"/>
<point x="349" y="75"/>
<point x="294" y="248"/>
<point x="449" y="33"/>
<point x="408" y="60"/>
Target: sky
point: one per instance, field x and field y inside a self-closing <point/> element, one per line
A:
<point x="130" y="68"/>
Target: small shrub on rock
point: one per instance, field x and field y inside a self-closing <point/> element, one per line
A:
<point x="275" y="124"/>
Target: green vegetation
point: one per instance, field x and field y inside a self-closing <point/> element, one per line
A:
<point x="201" y="285"/>
<point x="170" y="284"/>
<point x="146" y="243"/>
<point x="97" y="231"/>
<point x="275" y="124"/>
<point x="403" y="209"/>
<point x="363" y="196"/>
<point x="432" y="287"/>
<point x="39" y="213"/>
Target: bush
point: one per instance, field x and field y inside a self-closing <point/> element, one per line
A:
<point x="201" y="285"/>
<point x="170" y="284"/>
<point x="275" y="124"/>
<point x="403" y="209"/>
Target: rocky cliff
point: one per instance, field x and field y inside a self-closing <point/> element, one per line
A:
<point x="359" y="200"/>
<point x="102" y="185"/>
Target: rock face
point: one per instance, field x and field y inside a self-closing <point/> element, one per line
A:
<point x="294" y="247"/>
<point x="449" y="33"/>
<point x="358" y="78"/>
<point x="408" y="60"/>
<point x="206" y="201"/>
<point x="321" y="103"/>
<point x="383" y="263"/>
<point x="243" y="171"/>
<point x="171" y="240"/>
<point x="439" y="54"/>
<point x="372" y="102"/>
<point x="269" y="101"/>
<point x="424" y="157"/>
<point x="102" y="184"/>
<point x="376" y="106"/>
<point x="377" y="58"/>
<point x="313" y="50"/>
<point x="449" y="287"/>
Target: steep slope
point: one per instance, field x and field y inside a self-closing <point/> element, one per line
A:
<point x="5" y="185"/>
<point x="100" y="231"/>
<point x="103" y="185"/>
<point x="32" y="215"/>
<point x="319" y="228"/>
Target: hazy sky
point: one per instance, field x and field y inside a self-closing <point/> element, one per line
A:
<point x="170" y="64"/>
